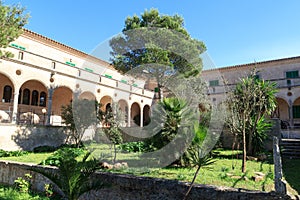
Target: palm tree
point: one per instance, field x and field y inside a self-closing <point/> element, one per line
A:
<point x="73" y="177"/>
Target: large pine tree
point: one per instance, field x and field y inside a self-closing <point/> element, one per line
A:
<point x="156" y="46"/>
<point x="12" y="20"/>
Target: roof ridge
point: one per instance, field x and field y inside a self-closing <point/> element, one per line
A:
<point x="67" y="48"/>
<point x="253" y="63"/>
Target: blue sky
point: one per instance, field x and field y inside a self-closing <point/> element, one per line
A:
<point x="234" y="31"/>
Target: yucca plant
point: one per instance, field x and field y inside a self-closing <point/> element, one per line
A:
<point x="73" y="177"/>
<point x="198" y="160"/>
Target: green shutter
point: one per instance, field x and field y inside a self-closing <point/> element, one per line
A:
<point x="18" y="46"/>
<point x="88" y="69"/>
<point x="108" y="76"/>
<point x="71" y="64"/>
<point x="214" y="83"/>
<point x="123" y="81"/>
<point x="292" y="74"/>
<point x="296" y="111"/>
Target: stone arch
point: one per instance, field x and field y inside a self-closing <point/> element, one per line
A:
<point x="5" y="81"/>
<point x="7" y="88"/>
<point x="135" y="114"/>
<point x="106" y="102"/>
<point x="62" y="96"/>
<point x="87" y="95"/>
<point x="282" y="109"/>
<point x="146" y="115"/>
<point x="296" y="110"/>
<point x="123" y="107"/>
<point x="30" y="98"/>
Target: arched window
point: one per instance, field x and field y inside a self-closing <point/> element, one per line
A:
<point x="43" y="97"/>
<point x="26" y="96"/>
<point x="35" y="98"/>
<point x="7" y="92"/>
<point x="20" y="97"/>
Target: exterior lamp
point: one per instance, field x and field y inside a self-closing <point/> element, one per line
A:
<point x="44" y="112"/>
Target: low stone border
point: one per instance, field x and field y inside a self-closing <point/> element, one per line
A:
<point x="131" y="187"/>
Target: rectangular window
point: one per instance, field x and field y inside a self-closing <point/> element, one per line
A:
<point x="292" y="74"/>
<point x="53" y="65"/>
<point x="288" y="82"/>
<point x="21" y="55"/>
<point x="214" y="83"/>
<point x="296" y="111"/>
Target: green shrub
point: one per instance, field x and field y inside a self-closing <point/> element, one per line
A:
<point x="133" y="147"/>
<point x="23" y="184"/>
<point x="54" y="160"/>
<point x="17" y="153"/>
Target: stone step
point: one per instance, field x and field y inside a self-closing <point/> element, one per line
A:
<point x="290" y="148"/>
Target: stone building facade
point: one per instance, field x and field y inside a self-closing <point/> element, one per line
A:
<point x="44" y="74"/>
<point x="284" y="72"/>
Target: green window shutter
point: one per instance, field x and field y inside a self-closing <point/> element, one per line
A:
<point x="292" y="74"/>
<point x="214" y="83"/>
<point x="296" y="111"/>
<point x="71" y="64"/>
<point x="18" y="46"/>
<point x="135" y="85"/>
<point x="108" y="76"/>
<point x="123" y="81"/>
<point x="88" y="69"/>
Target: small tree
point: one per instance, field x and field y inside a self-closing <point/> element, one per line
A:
<point x="113" y="118"/>
<point x="250" y="101"/>
<point x="12" y="19"/>
<point x="78" y="116"/>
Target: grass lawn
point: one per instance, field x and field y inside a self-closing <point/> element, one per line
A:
<point x="226" y="171"/>
<point x="35" y="158"/>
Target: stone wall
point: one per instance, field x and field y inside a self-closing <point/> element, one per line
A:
<point x="136" y="188"/>
<point x="13" y="137"/>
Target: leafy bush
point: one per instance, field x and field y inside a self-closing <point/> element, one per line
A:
<point x="23" y="184"/>
<point x="133" y="146"/>
<point x="18" y="153"/>
<point x="54" y="160"/>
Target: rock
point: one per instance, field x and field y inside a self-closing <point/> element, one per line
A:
<point x="252" y="158"/>
<point x="257" y="178"/>
<point x="236" y="177"/>
<point x="259" y="174"/>
<point x="229" y="174"/>
<point x="124" y="164"/>
<point x="105" y="165"/>
<point x="118" y="166"/>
